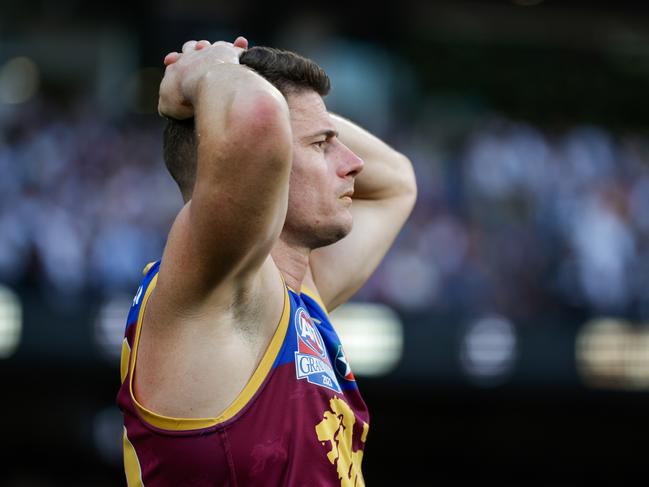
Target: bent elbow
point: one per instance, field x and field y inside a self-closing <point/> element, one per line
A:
<point x="264" y="108"/>
<point x="263" y="117"/>
<point x="408" y="181"/>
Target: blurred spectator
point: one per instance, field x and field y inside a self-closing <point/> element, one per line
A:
<point x="513" y="219"/>
<point x="84" y="203"/>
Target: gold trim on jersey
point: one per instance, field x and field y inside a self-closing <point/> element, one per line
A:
<point x="314" y="295"/>
<point x="260" y="373"/>
<point x="132" y="467"/>
<point x="147" y="267"/>
<point x="123" y="366"/>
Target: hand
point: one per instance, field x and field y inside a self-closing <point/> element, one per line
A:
<point x="184" y="71"/>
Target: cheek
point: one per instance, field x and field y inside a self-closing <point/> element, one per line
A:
<point x="302" y="196"/>
<point x="309" y="176"/>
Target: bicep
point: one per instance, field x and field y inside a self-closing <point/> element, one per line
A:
<point x="341" y="269"/>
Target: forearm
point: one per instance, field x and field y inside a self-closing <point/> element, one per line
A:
<point x="386" y="174"/>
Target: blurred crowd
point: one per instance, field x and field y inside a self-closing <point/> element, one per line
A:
<point x="527" y="222"/>
<point x="84" y="203"/>
<point x="511" y="218"/>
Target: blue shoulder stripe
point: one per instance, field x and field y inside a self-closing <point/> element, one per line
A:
<point x="150" y="271"/>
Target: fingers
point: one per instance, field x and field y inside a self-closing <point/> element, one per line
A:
<point x="241" y="42"/>
<point x="171" y="58"/>
<point x="189" y="46"/>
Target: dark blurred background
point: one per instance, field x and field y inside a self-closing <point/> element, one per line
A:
<point x="517" y="349"/>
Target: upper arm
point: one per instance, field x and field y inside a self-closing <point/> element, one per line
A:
<point x="340" y="269"/>
<point x="239" y="201"/>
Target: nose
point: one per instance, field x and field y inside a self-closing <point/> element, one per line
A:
<point x="350" y="164"/>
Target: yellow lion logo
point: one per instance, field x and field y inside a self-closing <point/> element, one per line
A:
<point x="337" y="427"/>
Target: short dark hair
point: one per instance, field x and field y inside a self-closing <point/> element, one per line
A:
<point x="287" y="71"/>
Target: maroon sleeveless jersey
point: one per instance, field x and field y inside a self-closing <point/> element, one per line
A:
<point x="299" y="421"/>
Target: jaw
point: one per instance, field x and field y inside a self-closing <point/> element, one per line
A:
<point x="316" y="232"/>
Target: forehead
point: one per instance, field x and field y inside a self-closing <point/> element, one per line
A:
<point x="308" y="113"/>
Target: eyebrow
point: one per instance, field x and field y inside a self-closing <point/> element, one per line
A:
<point x="328" y="132"/>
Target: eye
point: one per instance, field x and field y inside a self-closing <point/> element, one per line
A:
<point x="320" y="144"/>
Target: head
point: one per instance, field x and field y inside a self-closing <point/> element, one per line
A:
<point x="323" y="169"/>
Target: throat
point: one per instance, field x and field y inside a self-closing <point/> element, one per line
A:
<point x="292" y="261"/>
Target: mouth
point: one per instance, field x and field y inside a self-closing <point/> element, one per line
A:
<point x="347" y="198"/>
<point x="348" y="194"/>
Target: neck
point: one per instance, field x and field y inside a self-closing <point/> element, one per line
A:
<point x="292" y="261"/>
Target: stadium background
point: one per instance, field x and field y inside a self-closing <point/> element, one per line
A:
<point x="521" y="351"/>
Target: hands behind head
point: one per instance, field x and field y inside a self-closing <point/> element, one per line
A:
<point x="184" y="70"/>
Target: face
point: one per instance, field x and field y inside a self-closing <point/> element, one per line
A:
<point x="322" y="176"/>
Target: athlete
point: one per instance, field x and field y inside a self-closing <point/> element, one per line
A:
<point x="232" y="373"/>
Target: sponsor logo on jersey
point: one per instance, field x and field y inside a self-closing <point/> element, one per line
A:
<point x="308" y="333"/>
<point x="311" y="360"/>
<point x="342" y="365"/>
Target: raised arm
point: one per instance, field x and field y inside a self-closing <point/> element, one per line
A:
<point x="239" y="201"/>
<point x="384" y="194"/>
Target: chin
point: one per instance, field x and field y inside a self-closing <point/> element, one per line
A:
<point x="331" y="234"/>
<point x="319" y="232"/>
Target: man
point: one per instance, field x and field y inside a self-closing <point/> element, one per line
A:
<point x="240" y="377"/>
